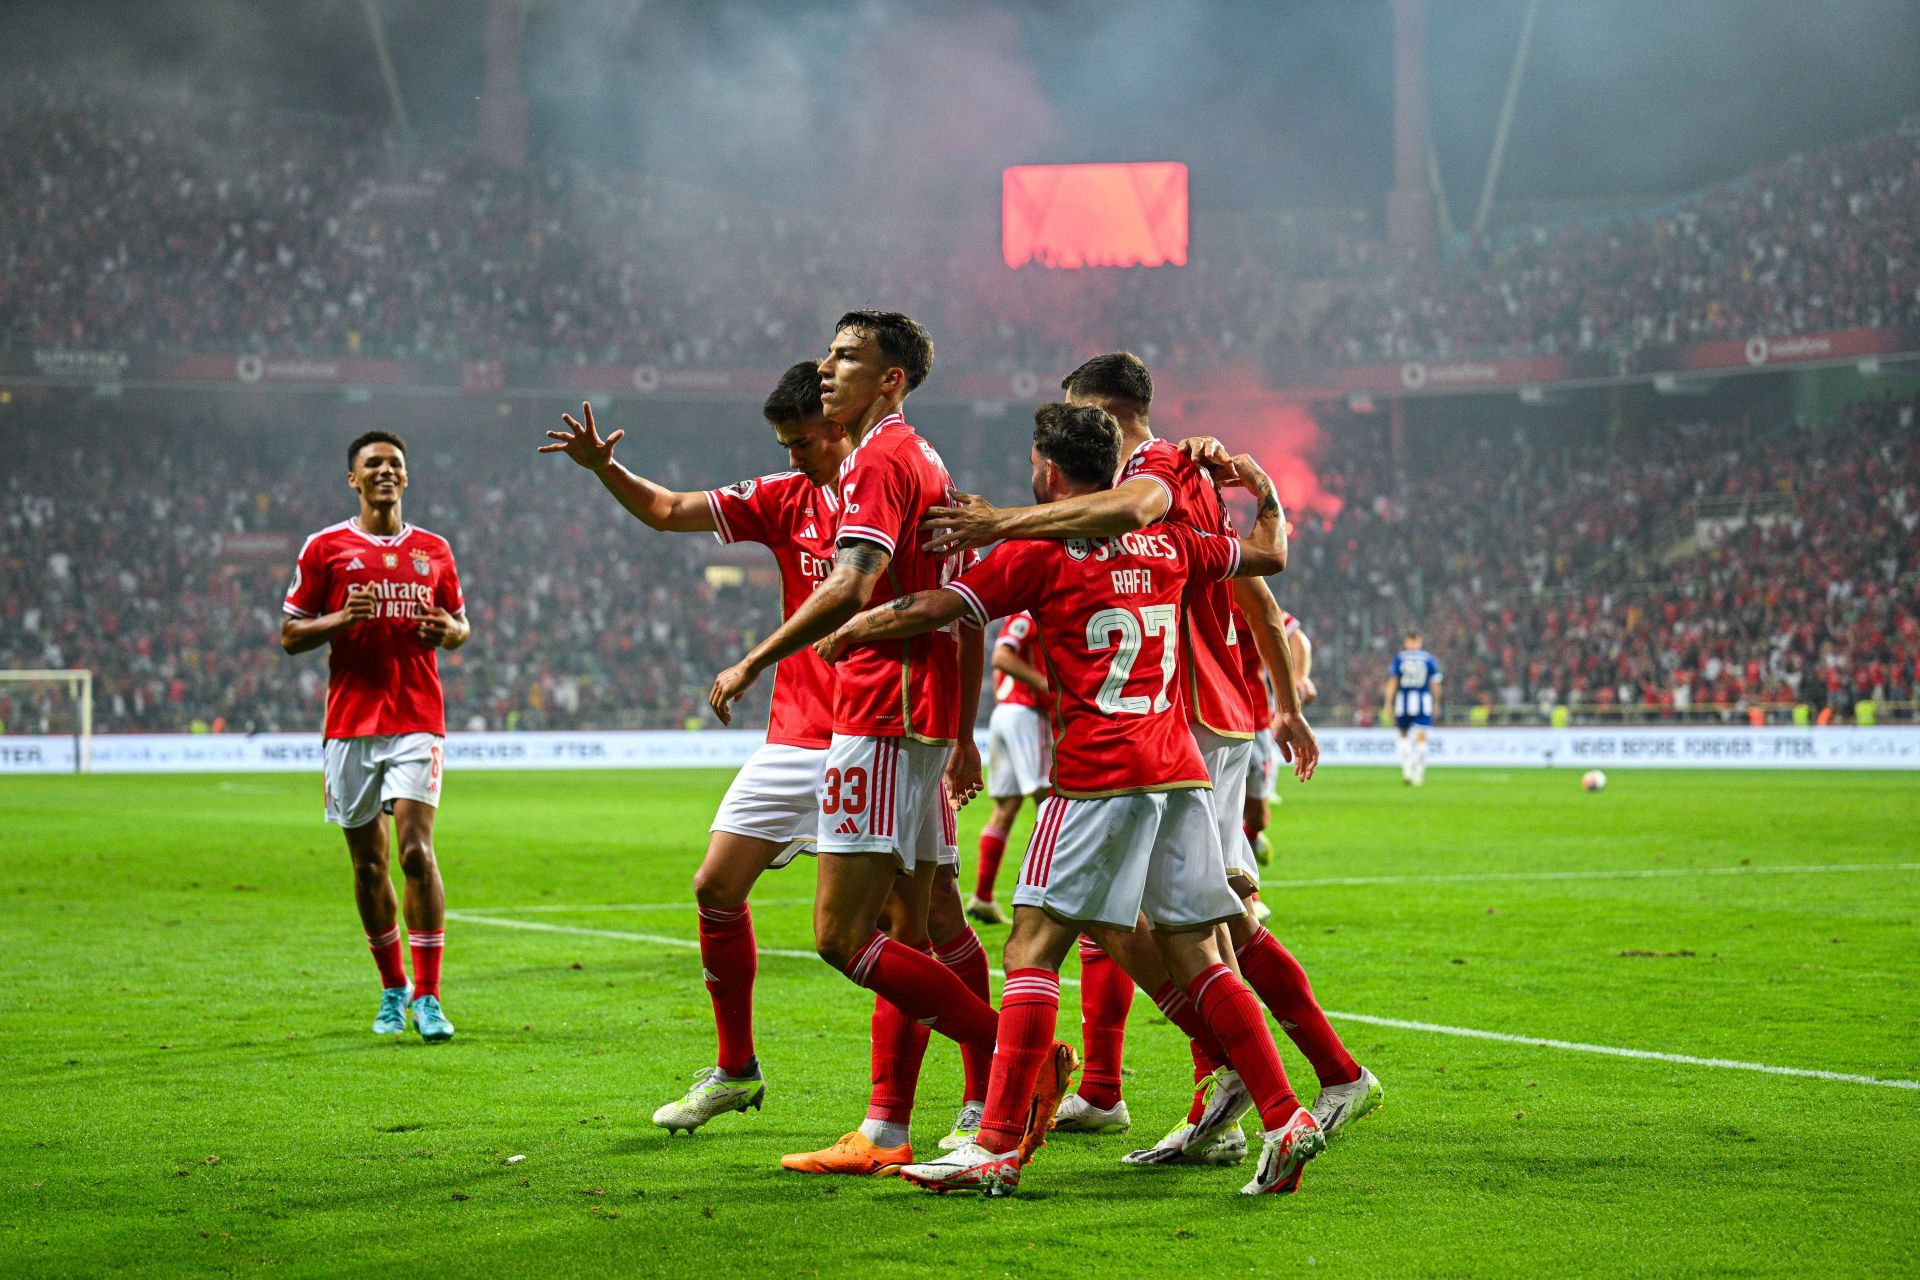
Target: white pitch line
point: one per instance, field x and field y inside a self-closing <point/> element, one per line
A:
<point x="1685" y="1059"/>
<point x="622" y="935"/>
<point x="1401" y="1024"/>
<point x="1644" y="873"/>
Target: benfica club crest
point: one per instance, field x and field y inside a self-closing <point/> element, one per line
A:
<point x="420" y="563"/>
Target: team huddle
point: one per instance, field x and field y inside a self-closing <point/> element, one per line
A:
<point x="1149" y="686"/>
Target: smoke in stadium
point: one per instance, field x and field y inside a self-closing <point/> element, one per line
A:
<point x="1057" y="600"/>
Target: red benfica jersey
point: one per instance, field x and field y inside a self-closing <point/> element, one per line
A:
<point x="1254" y="670"/>
<point x="381" y="677"/>
<point x="1216" y="690"/>
<point x="1109" y="614"/>
<point x="897" y="688"/>
<point x="796" y="521"/>
<point x="1022" y="635"/>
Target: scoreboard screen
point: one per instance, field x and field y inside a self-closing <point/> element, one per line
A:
<point x="1094" y="215"/>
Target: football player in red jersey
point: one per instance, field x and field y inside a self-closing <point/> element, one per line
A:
<point x="384" y="597"/>
<point x="1019" y="751"/>
<point x="768" y="814"/>
<point x="1129" y="831"/>
<point x="902" y="733"/>
<point x="1158" y="482"/>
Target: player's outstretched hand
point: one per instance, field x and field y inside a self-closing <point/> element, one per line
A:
<point x="360" y="606"/>
<point x="433" y="626"/>
<point x="974" y="523"/>
<point x="1209" y="453"/>
<point x="728" y="687"/>
<point x="963" y="772"/>
<point x="1295" y="739"/>
<point x="1307" y="690"/>
<point x="582" y="443"/>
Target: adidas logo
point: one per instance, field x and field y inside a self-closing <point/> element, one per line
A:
<point x="810" y="531"/>
<point x="847" y="828"/>
<point x="355" y="563"/>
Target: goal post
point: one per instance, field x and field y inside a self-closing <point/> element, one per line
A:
<point x="76" y="683"/>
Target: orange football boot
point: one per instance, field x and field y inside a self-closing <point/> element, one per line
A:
<point x="1056" y="1081"/>
<point x="856" y="1155"/>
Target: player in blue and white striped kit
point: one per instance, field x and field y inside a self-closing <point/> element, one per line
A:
<point x="1413" y="690"/>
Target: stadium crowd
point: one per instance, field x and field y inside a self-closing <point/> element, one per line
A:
<point x="1576" y="574"/>
<point x="185" y="225"/>
<point x="1536" y="569"/>
<point x="1817" y="241"/>
<point x="125" y="551"/>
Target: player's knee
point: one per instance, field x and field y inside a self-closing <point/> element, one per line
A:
<point x="837" y="945"/>
<point x="416" y="856"/>
<point x="716" y="890"/>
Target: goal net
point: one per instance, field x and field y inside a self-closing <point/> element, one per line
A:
<point x="50" y="703"/>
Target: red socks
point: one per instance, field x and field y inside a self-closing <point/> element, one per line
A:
<point x="923" y="989"/>
<point x="963" y="954"/>
<point x="993" y="844"/>
<point x="898" y="1047"/>
<point x="728" y="960"/>
<point x="1106" y="994"/>
<point x="1204" y="1065"/>
<point x="386" y="957"/>
<point x="1241" y="1024"/>
<point x="1271" y="970"/>
<point x="1181" y="1013"/>
<point x="427" y="946"/>
<point x="1029" y="1013"/>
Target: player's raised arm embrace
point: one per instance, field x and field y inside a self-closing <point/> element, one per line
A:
<point x="885" y="825"/>
<point x="768" y="815"/>
<point x="1129" y="827"/>
<point x="384" y="597"/>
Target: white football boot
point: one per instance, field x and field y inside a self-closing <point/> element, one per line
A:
<point x="1077" y="1115"/>
<point x="971" y="1168"/>
<point x="966" y="1127"/>
<point x="712" y="1094"/>
<point x="1339" y="1105"/>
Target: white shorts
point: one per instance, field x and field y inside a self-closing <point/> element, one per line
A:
<point x="1227" y="762"/>
<point x="1105" y="861"/>
<point x="887" y="795"/>
<point x="366" y="775"/>
<point x="776" y="797"/>
<point x="1019" y="752"/>
<point x="1264" y="768"/>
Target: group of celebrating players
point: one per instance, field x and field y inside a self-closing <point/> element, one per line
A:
<point x="1146" y="673"/>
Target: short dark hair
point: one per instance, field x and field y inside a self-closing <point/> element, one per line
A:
<point x="376" y="436"/>
<point x="902" y="341"/>
<point x="1118" y="375"/>
<point x="1084" y="443"/>
<point x="797" y="397"/>
<point x="1412" y="633"/>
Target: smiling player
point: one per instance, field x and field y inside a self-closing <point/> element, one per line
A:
<point x="384" y="596"/>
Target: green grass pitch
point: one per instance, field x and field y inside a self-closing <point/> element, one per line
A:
<point x="190" y="1086"/>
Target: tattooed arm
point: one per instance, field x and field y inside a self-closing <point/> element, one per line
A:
<point x="857" y="565"/>
<point x="1264" y="549"/>
<point x="910" y="615"/>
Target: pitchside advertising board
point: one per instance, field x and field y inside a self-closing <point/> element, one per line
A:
<point x="1896" y="747"/>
